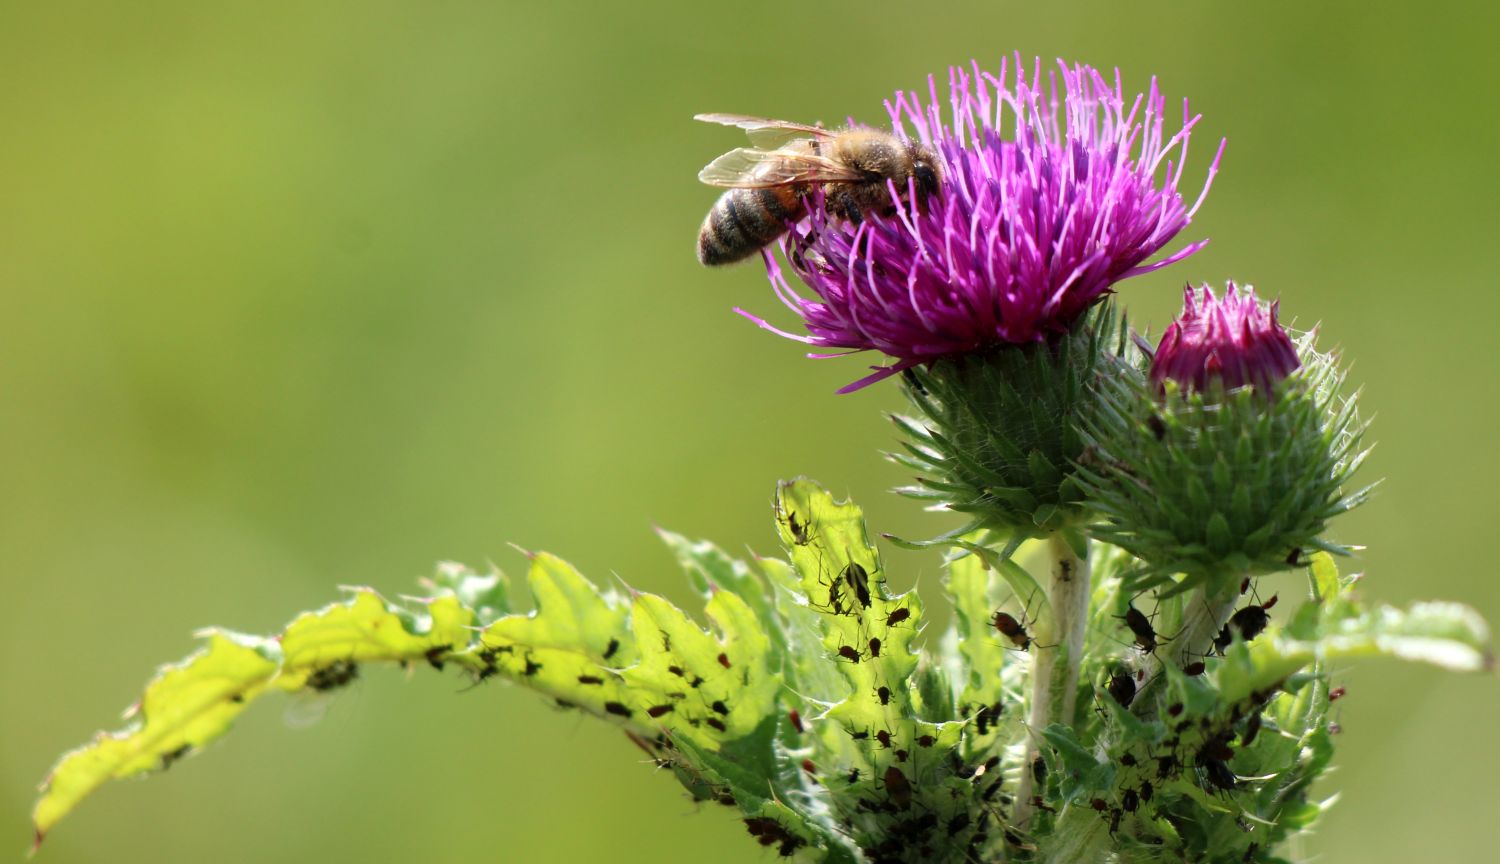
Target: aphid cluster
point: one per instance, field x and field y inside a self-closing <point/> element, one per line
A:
<point x="914" y="806"/>
<point x="897" y="798"/>
<point x="911" y="806"/>
<point x="897" y="816"/>
<point x="689" y="701"/>
<point x="1202" y="748"/>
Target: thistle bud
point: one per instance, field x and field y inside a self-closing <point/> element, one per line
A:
<point x="1230" y="454"/>
<point x="1234" y="341"/>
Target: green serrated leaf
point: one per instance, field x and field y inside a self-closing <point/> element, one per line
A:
<point x="487" y="595"/>
<point x="368" y="629"/>
<point x="185" y="706"/>
<point x="1323" y="574"/>
<point x="579" y="646"/>
<point x="571" y="614"/>
<point x="968" y="586"/>
<point x="1449" y="635"/>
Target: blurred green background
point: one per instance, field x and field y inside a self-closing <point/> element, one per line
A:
<point x="307" y="294"/>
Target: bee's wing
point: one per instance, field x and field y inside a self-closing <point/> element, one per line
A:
<point x="748" y="168"/>
<point x="765" y="132"/>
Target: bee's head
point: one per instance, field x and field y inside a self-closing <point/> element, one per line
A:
<point x="925" y="170"/>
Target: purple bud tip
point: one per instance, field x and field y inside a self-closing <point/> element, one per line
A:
<point x="1234" y="340"/>
<point x="1053" y="187"/>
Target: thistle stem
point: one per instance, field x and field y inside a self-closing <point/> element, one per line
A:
<point x="1205" y="614"/>
<point x="1204" y="617"/>
<point x="1054" y="671"/>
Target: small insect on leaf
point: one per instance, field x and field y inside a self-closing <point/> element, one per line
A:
<point x="1140" y="627"/>
<point x="1122" y="688"/>
<point x="898" y="787"/>
<point x="1011" y="629"/>
<point x="859" y="580"/>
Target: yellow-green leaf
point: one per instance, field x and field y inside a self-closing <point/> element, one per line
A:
<point x="185" y="706"/>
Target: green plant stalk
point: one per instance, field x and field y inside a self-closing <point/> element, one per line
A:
<point x="1054" y="673"/>
<point x="1204" y="616"/>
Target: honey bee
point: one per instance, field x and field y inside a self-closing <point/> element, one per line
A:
<point x="770" y="183"/>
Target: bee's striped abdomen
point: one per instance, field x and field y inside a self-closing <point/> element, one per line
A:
<point x="743" y="221"/>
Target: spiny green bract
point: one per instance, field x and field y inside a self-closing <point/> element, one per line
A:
<point x="807" y="706"/>
<point x="1222" y="483"/>
<point x="997" y="433"/>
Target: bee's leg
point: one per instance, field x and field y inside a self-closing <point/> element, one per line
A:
<point x="846" y="207"/>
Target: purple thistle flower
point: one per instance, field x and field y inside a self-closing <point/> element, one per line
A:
<point x="1234" y="340"/>
<point x="1042" y="209"/>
